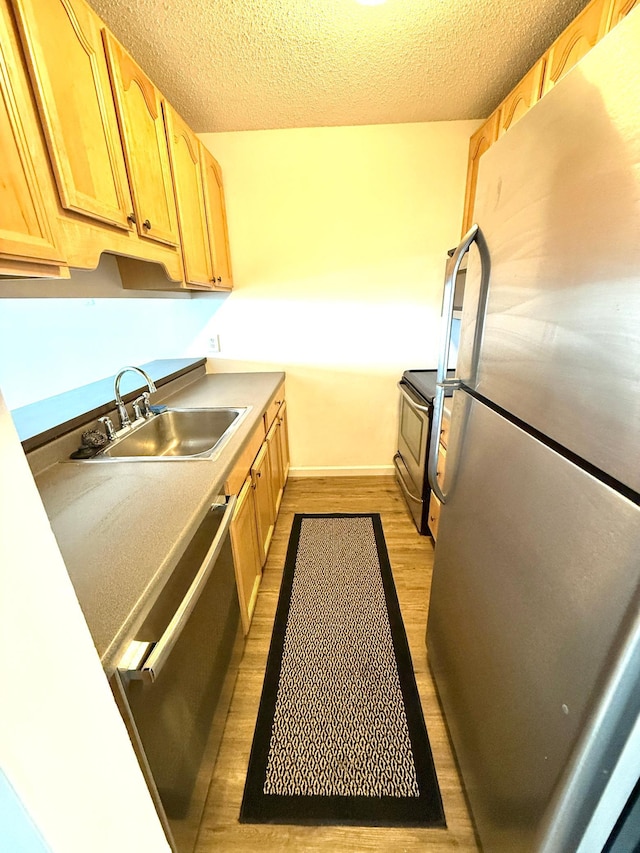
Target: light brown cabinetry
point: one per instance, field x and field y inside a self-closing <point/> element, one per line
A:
<point x="480" y="142"/>
<point x="184" y="154"/>
<point x="283" y="439"/>
<point x="619" y="10"/>
<point x="522" y="98"/>
<point x="29" y="238"/>
<point x="217" y="227"/>
<point x="278" y="444"/>
<point x="246" y="552"/>
<point x="117" y="190"/>
<point x="139" y="108"/>
<point x="574" y="42"/>
<point x="434" y="504"/>
<point x="262" y="468"/>
<point x="265" y="509"/>
<point x="63" y="44"/>
<point x="593" y="22"/>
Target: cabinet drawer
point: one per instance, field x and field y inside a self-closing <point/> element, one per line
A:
<point x="444" y="430"/>
<point x="273" y="407"/>
<point x="442" y="461"/>
<point x="241" y="468"/>
<point x="434" y="515"/>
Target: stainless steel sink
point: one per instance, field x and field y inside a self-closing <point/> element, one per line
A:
<point x="175" y="434"/>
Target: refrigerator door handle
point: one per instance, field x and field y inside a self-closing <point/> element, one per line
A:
<point x="442" y="383"/>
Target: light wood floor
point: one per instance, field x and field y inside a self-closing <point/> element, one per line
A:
<point x="411" y="558"/>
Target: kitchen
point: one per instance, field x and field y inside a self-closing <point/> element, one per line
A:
<point x="352" y="268"/>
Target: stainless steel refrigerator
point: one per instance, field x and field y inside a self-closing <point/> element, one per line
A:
<point x="533" y="631"/>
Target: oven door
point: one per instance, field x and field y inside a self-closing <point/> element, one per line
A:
<point x="413" y="441"/>
<point x="178" y="674"/>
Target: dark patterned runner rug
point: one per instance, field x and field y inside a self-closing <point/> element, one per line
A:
<point x="340" y="736"/>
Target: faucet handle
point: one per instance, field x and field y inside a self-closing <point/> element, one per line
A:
<point x="146" y="404"/>
<point x="137" y="410"/>
<point x="109" y="427"/>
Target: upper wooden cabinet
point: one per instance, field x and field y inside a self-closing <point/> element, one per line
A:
<point x="216" y="220"/>
<point x="480" y="142"/>
<point x="94" y="161"/>
<point x="595" y="20"/>
<point x="577" y="40"/>
<point x="139" y="108"/>
<point x="66" y="57"/>
<point x="619" y="10"/>
<point x="29" y="239"/>
<point x="184" y="151"/>
<point x="522" y="98"/>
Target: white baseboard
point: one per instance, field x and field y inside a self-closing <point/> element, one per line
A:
<point x="343" y="471"/>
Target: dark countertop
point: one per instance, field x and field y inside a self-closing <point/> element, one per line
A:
<point x="424" y="383"/>
<point x="123" y="526"/>
<point x="41" y="422"/>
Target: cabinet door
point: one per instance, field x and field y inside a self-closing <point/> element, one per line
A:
<point x="574" y="42"/>
<point x="265" y="513"/>
<point x="184" y="154"/>
<point x="283" y="436"/>
<point x="520" y="100"/>
<point x="434" y="515"/>
<point x="480" y="142"/>
<point x="64" y="47"/>
<point x="216" y="220"/>
<point x="139" y="109"/>
<point x="619" y="10"/>
<point x="275" y="464"/>
<point x="27" y="207"/>
<point x="246" y="552"/>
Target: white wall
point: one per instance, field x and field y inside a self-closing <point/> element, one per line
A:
<point x="338" y="240"/>
<point x="65" y="756"/>
<point x="50" y="345"/>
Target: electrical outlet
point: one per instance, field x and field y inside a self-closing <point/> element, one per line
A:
<point x="214" y="343"/>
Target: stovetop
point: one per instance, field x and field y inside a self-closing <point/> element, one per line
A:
<point x="423" y="382"/>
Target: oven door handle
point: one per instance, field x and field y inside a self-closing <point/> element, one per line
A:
<point x="402" y="483"/>
<point x="138" y="663"/>
<point x="413" y="403"/>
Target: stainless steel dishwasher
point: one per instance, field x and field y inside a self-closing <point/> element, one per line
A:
<point x="174" y="682"/>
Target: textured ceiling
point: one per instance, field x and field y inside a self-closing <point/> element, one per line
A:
<point x="258" y="64"/>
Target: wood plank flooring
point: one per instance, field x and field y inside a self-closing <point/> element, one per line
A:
<point x="411" y="559"/>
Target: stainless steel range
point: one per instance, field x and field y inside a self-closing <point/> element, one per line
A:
<point x="417" y="391"/>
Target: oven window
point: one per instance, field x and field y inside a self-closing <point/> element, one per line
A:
<point x="411" y="427"/>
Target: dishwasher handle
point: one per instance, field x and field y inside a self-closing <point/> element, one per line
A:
<point x="138" y="663"/>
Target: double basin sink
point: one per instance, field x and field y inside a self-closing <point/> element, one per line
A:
<point x="174" y="434"/>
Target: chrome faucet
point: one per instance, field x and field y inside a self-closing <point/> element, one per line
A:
<point x="125" y="420"/>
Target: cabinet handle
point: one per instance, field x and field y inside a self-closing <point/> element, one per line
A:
<point x="146" y="224"/>
<point x="131" y="218"/>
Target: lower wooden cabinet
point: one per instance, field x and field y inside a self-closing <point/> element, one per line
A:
<point x="246" y="552"/>
<point x="278" y="448"/>
<point x="443" y="439"/>
<point x="434" y="515"/>
<point x="261" y="478"/>
<point x="258" y="478"/>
